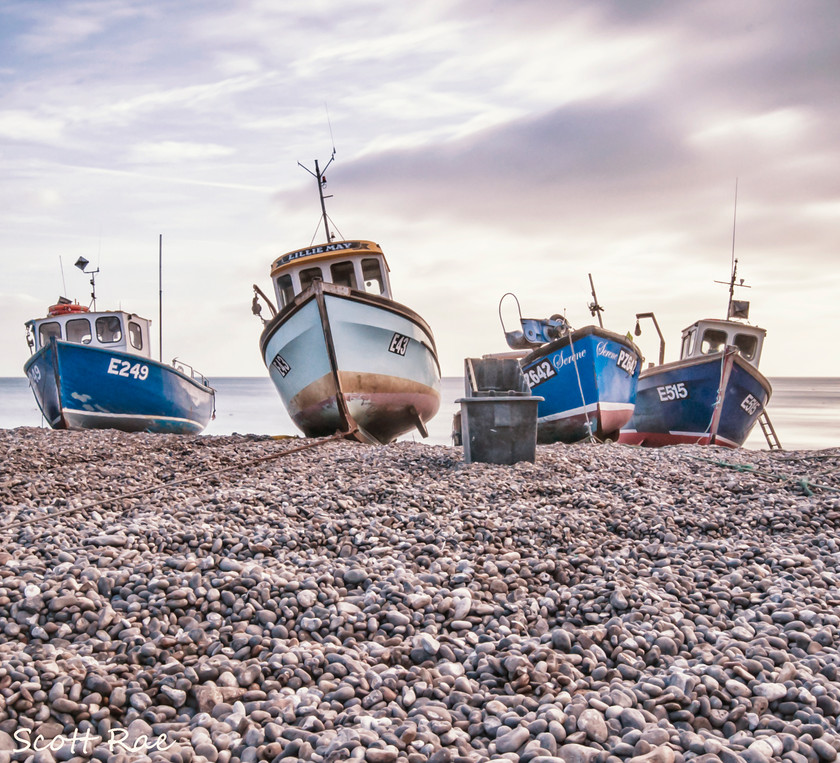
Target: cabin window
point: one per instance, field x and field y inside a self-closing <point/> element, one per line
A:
<point x="713" y="341"/>
<point x="285" y="289"/>
<point x="78" y="330"/>
<point x="309" y="275"/>
<point x="343" y="274"/>
<point x="135" y="335"/>
<point x="47" y="330"/>
<point x="685" y="351"/>
<point x="108" y="329"/>
<point x="747" y="345"/>
<point x="372" y="276"/>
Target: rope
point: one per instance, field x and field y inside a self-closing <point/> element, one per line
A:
<point x="580" y="388"/>
<point x="717" y="396"/>
<point x="144" y="491"/>
<point x="802" y="482"/>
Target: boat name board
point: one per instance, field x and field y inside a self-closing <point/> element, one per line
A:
<point x="399" y="344"/>
<point x="544" y="370"/>
<point x="539" y="373"/>
<point x="281" y="365"/>
<point x="124" y="368"/>
<point x="626" y="361"/>
<point x="323" y="249"/>
<point x="669" y="392"/>
<point x="751" y="405"/>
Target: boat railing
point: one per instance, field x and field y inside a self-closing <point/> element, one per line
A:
<point x="188" y="370"/>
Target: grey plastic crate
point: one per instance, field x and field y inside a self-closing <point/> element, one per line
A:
<point x="499" y="414"/>
<point x="493" y="376"/>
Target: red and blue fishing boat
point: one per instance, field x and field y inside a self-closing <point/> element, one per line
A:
<point x="714" y="394"/>
<point x="93" y="369"/>
<point x="586" y="377"/>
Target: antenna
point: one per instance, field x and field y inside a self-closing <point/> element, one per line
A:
<point x="329" y="124"/>
<point x="734" y="219"/>
<point x="735" y="309"/>
<point x="63" y="282"/>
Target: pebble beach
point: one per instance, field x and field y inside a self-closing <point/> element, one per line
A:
<point x="199" y="599"/>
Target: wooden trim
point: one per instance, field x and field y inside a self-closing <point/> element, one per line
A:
<point x="348" y="424"/>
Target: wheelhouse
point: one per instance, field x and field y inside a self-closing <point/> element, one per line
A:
<point x="111" y="330"/>
<point x="357" y="265"/>
<point x="709" y="336"/>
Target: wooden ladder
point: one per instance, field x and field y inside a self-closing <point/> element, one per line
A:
<point x="769" y="432"/>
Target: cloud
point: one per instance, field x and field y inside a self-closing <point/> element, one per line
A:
<point x="175" y="151"/>
<point x="54" y="27"/>
<point x="25" y="126"/>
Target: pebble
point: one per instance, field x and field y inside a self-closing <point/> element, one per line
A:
<point x="395" y="605"/>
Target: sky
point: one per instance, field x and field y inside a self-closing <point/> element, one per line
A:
<point x="489" y="146"/>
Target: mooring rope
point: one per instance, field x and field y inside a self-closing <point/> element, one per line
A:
<point x="718" y="400"/>
<point x="803" y="482"/>
<point x="591" y="437"/>
<point x="166" y="485"/>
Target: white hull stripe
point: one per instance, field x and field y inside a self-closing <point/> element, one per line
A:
<point x="592" y="407"/>
<point x="92" y="415"/>
<point x="686" y="435"/>
<point x="699" y="435"/>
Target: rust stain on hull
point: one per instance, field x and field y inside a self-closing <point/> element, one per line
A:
<point x="385" y="406"/>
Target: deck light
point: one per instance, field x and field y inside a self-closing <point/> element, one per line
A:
<point x="81" y="264"/>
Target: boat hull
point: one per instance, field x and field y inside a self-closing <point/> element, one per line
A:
<point x="81" y="387"/>
<point x="341" y="359"/>
<point x="712" y="400"/>
<point x="588" y="381"/>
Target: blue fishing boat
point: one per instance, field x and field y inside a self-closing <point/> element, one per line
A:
<point x="343" y="355"/>
<point x="714" y="394"/>
<point x="587" y="377"/>
<point x="93" y="370"/>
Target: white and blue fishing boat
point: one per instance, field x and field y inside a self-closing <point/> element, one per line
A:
<point x="714" y="394"/>
<point x="344" y="356"/>
<point x="586" y="377"/>
<point x="93" y="369"/>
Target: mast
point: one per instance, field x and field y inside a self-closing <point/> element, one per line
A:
<point x="81" y="264"/>
<point x="160" y="298"/>
<point x="595" y="308"/>
<point x="322" y="181"/>
<point x="731" y="288"/>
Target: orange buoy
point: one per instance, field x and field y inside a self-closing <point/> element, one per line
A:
<point x="66" y="309"/>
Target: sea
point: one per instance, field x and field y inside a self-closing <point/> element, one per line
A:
<point x="805" y="411"/>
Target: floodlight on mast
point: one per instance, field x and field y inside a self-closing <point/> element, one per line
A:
<point x="81" y="264"/>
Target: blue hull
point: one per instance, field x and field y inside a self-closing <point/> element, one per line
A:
<point x="588" y="381"/>
<point x="715" y="400"/>
<point x="81" y="387"/>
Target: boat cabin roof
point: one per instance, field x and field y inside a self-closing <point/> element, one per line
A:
<point x="109" y="329"/>
<point x="710" y="335"/>
<point x="359" y="265"/>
